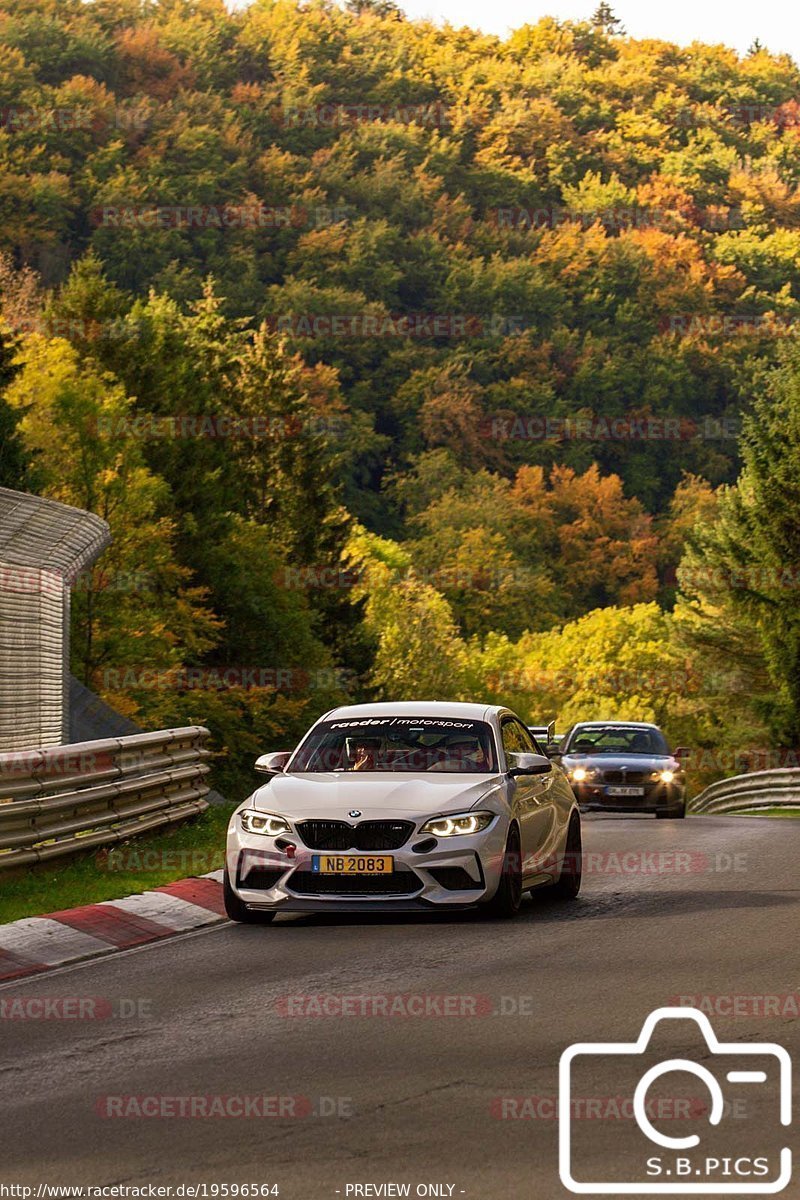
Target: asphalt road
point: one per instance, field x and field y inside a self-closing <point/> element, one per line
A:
<point x="414" y="1099"/>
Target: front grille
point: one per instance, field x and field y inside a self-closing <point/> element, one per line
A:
<point x="310" y="883"/>
<point x="624" y="801"/>
<point x="368" y="835"/>
<point x="455" y="879"/>
<point x="624" y="777"/>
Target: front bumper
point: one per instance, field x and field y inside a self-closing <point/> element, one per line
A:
<point x="458" y="872"/>
<point x="656" y="797"/>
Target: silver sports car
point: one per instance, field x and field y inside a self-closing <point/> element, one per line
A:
<point x="404" y="806"/>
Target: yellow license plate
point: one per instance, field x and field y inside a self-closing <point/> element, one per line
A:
<point x="352" y="864"/>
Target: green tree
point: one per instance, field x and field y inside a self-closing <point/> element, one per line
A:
<point x="418" y="648"/>
<point x="604" y="18"/>
<point x="747" y="563"/>
<point x="611" y="662"/>
<point x="138" y="607"/>
<point x="20" y="310"/>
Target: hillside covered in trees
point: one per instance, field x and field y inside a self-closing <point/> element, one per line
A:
<point x="407" y="360"/>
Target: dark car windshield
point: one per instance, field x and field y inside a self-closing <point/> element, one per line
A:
<point x="398" y="744"/>
<point x="616" y="739"/>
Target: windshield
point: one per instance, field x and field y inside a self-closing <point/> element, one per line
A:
<point x="398" y="744"/>
<point x="616" y="739"/>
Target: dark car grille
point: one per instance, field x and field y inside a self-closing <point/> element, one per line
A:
<point x="254" y="871"/>
<point x="262" y="878"/>
<point x="455" y="879"/>
<point x="399" y="883"/>
<point x="624" y="777"/>
<point x="368" y="835"/>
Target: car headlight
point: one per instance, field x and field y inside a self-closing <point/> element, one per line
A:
<point x="254" y="821"/>
<point x="580" y="774"/>
<point x="666" y="776"/>
<point x="458" y="823"/>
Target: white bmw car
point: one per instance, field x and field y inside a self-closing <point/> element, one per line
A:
<point x="404" y="806"/>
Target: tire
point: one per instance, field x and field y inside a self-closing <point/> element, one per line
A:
<point x="672" y="814"/>
<point x="237" y="910"/>
<point x="569" y="884"/>
<point x="506" y="901"/>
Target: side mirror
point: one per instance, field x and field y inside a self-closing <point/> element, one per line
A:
<point x="683" y="753"/>
<point x="273" y="764"/>
<point x="529" y="764"/>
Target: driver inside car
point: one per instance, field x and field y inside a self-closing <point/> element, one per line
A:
<point x="364" y="754"/>
<point x="462" y="754"/>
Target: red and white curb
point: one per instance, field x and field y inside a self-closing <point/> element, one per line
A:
<point x="37" y="944"/>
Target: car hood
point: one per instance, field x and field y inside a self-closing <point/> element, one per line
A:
<point x="331" y="796"/>
<point x="617" y="762"/>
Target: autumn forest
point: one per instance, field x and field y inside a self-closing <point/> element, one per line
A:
<point x="407" y="361"/>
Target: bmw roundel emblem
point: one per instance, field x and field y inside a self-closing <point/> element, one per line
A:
<point x="354" y="812"/>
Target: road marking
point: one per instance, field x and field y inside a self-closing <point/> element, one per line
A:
<point x="112" y="924"/>
<point x="111" y="957"/>
<point x="33" y="944"/>
<point x="204" y="893"/>
<point x="46" y="942"/>
<point x="165" y="909"/>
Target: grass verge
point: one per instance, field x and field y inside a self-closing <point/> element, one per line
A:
<point x="767" y="812"/>
<point x="193" y="848"/>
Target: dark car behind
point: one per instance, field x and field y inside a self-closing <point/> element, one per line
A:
<point x="624" y="766"/>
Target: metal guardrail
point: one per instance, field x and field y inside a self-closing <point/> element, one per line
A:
<point x="747" y="793"/>
<point x="59" y="799"/>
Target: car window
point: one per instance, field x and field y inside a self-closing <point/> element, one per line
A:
<point x="619" y="739"/>
<point x="539" y="742"/>
<point x="514" y="738"/>
<point x="530" y="745"/>
<point x="397" y="744"/>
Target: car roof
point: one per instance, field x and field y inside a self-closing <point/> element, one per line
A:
<point x="416" y="708"/>
<point x="616" y="724"/>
